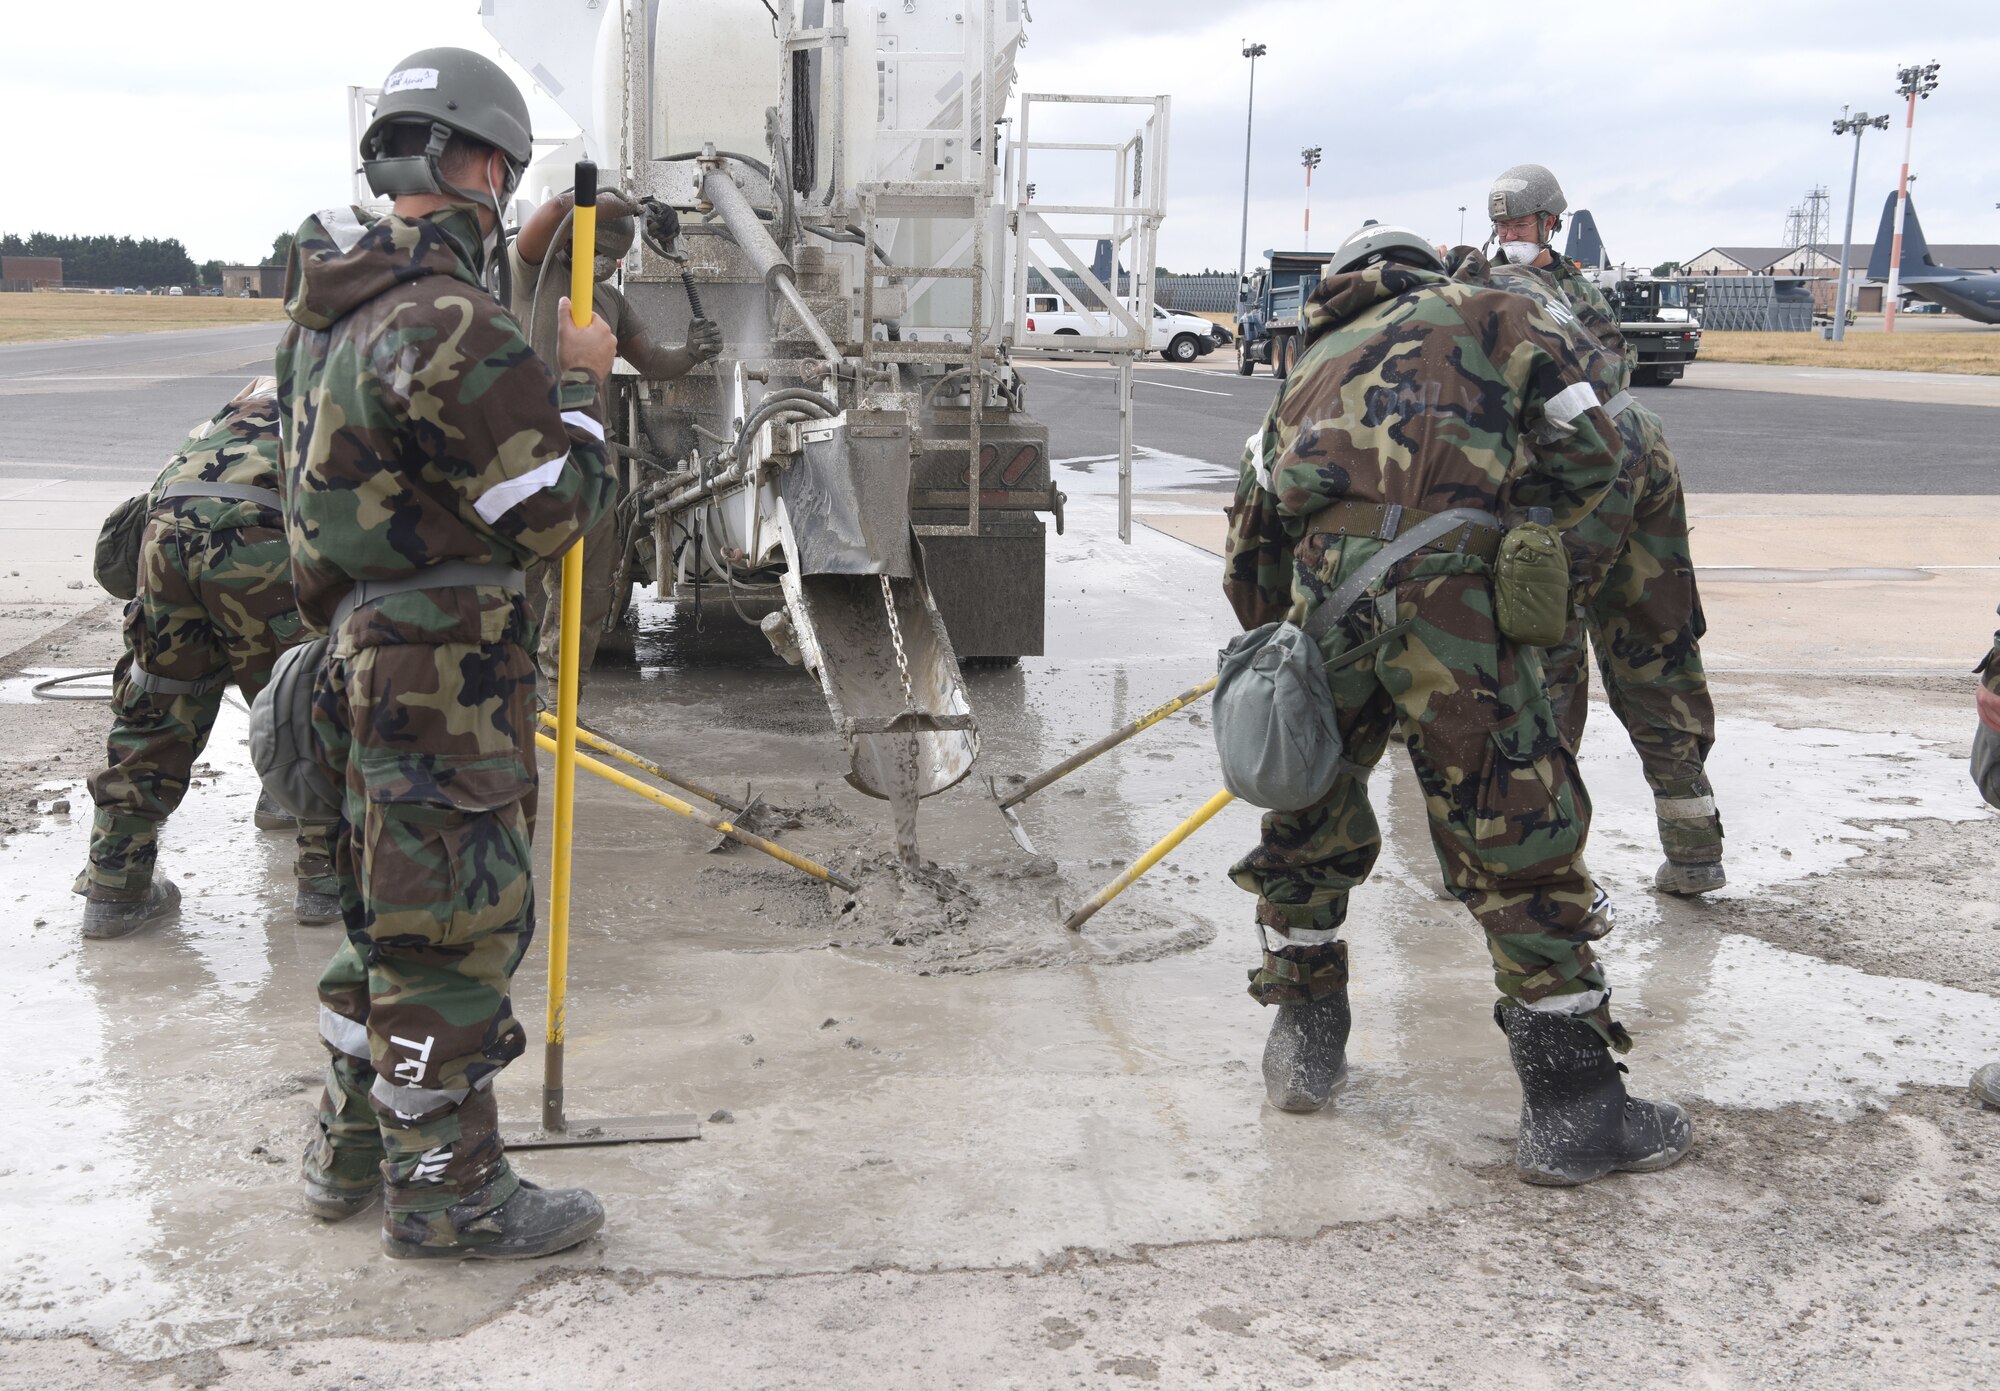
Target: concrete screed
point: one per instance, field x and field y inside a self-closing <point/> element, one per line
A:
<point x="966" y="1148"/>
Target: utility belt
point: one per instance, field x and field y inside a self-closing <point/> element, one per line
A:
<point x="1530" y="565"/>
<point x="230" y="492"/>
<point x="449" y="574"/>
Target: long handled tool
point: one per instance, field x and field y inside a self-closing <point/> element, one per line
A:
<point x="1082" y="756"/>
<point x="1117" y="886"/>
<point x="714" y="823"/>
<point x="556" y="1129"/>
<point x="753" y="815"/>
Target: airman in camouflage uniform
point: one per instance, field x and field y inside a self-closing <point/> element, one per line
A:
<point x="215" y="604"/>
<point x="1422" y="394"/>
<point x="1986" y="777"/>
<point x="1635" y="575"/>
<point x="433" y="457"/>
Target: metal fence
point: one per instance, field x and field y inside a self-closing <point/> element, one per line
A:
<point x="1197" y="294"/>
<point x="1756" y="304"/>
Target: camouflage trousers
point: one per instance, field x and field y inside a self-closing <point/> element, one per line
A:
<point x="433" y="745"/>
<point x="1508" y="813"/>
<point x="600" y="576"/>
<point x="1641" y="610"/>
<point x="213" y="603"/>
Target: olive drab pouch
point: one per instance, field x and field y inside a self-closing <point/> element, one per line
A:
<point x="116" y="563"/>
<point x="281" y="738"/>
<point x="1531" y="583"/>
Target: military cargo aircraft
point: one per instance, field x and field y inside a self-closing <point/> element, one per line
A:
<point x="1974" y="294"/>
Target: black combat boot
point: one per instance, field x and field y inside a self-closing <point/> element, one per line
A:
<point x="1577" y="1123"/>
<point x="534" y="1222"/>
<point x="332" y="1195"/>
<point x="1305" y="1057"/>
<point x="111" y="913"/>
<point x="317" y="901"/>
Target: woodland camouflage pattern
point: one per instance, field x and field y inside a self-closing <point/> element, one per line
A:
<point x="1422" y="391"/>
<point x="1635" y="587"/>
<point x="215" y="595"/>
<point x="411" y="401"/>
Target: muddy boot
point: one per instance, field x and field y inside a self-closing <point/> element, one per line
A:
<point x="317" y="901"/>
<point x="534" y="1222"/>
<point x="1691" y="836"/>
<point x="1305" y="1056"/>
<point x="1688" y="880"/>
<point x="111" y="913"/>
<point x="336" y="1186"/>
<point x="1986" y="1084"/>
<point x="269" y="816"/>
<point x="1577" y="1123"/>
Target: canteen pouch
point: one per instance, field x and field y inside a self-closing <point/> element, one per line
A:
<point x="115" y="565"/>
<point x="281" y="741"/>
<point x="1531" y="584"/>
<point x="1275" y="726"/>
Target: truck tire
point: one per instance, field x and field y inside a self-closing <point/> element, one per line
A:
<point x="1182" y="349"/>
<point x="1067" y="333"/>
<point x="1281" y="357"/>
<point x="1245" y="364"/>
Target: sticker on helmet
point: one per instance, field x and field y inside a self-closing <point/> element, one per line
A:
<point x="410" y="80"/>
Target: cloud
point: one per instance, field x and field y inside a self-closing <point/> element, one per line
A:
<point x="222" y="122"/>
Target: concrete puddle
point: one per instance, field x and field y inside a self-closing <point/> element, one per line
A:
<point x="993" y="1093"/>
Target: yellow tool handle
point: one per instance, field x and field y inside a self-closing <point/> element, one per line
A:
<point x="646" y="765"/>
<point x="1110" y="741"/>
<point x="714" y="823"/>
<point x="1149" y="859"/>
<point x="583" y="244"/>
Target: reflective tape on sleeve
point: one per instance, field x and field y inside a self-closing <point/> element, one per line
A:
<point x="497" y="500"/>
<point x="582" y="420"/>
<point x="1569" y="403"/>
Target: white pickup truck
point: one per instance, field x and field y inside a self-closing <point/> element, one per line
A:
<point x="1175" y="337"/>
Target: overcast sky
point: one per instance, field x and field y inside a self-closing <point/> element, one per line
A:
<point x="1680" y="126"/>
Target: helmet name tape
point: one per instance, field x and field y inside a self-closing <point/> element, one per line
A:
<point x="411" y="80"/>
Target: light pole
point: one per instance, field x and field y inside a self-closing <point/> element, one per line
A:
<point x="1252" y="51"/>
<point x="1850" y="125"/>
<point x="1461" y="224"/>
<point x="1911" y="82"/>
<point x="1309" y="157"/>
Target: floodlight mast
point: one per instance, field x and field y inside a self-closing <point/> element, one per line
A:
<point x="1913" y="83"/>
<point x="1850" y="125"/>
<point x="1309" y="157"/>
<point x="1252" y="51"/>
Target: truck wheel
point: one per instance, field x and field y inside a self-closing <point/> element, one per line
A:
<point x="1245" y="364"/>
<point x="1067" y="333"/>
<point x="1281" y="358"/>
<point x="1182" y="349"/>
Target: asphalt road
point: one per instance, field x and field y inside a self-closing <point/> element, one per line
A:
<point x="114" y="408"/>
<point x="1725" y="441"/>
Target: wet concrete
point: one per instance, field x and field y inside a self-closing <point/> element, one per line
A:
<point x="987" y="1090"/>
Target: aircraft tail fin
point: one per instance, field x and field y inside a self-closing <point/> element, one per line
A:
<point x="1585" y="247"/>
<point x="1917" y="263"/>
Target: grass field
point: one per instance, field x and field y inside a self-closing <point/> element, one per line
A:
<point x="1916" y="351"/>
<point x="42" y="316"/>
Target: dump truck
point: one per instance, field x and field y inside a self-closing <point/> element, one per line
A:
<point x="1268" y="308"/>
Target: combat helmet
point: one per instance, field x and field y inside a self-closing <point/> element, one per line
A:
<point x="1376" y="241"/>
<point x="1523" y="190"/>
<point x="451" y="90"/>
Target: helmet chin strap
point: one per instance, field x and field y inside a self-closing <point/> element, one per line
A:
<point x="499" y="274"/>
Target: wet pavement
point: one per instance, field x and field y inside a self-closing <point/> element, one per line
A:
<point x="912" y="1082"/>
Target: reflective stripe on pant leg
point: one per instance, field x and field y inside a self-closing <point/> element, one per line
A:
<point x="346" y="1149"/>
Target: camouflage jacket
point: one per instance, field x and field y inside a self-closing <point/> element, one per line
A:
<point x="237" y="445"/>
<point x="1588" y="303"/>
<point x="1605" y="366"/>
<point x="419" y="426"/>
<point x="1419" y="390"/>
